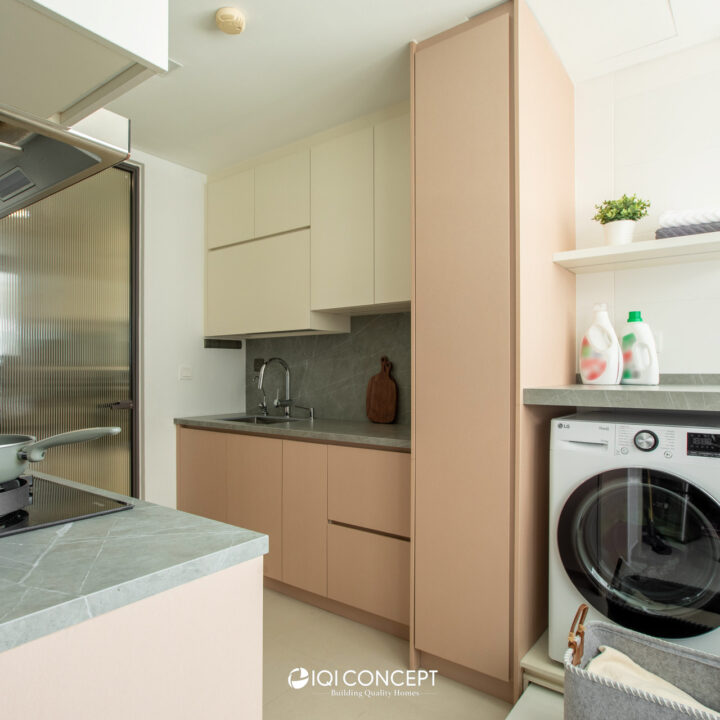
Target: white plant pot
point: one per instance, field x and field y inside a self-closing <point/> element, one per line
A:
<point x="619" y="232"/>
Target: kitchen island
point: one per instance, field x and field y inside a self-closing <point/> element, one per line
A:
<point x="146" y="612"/>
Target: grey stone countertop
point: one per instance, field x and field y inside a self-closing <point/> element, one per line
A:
<point x="55" y="577"/>
<point x="695" y="397"/>
<point x="346" y="432"/>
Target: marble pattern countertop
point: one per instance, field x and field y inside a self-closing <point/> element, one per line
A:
<point x="690" y="397"/>
<point x="346" y="432"/>
<point x="55" y="577"/>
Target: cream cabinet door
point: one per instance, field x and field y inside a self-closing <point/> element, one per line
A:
<point x="392" y="210"/>
<point x="282" y="194"/>
<point x="230" y="211"/>
<point x="261" y="286"/>
<point x="341" y="201"/>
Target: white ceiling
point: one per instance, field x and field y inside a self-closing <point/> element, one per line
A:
<point x="301" y="67"/>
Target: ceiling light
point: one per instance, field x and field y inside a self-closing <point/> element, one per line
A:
<point x="230" y="20"/>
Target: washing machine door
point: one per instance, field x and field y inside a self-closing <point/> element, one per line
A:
<point x="643" y="548"/>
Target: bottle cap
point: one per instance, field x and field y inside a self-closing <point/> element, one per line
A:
<point x="635" y="316"/>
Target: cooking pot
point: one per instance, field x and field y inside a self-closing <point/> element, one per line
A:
<point x="16" y="451"/>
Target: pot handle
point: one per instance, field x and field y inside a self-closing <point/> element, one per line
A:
<point x="36" y="451"/>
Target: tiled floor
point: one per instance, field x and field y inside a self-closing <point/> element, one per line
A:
<point x="299" y="635"/>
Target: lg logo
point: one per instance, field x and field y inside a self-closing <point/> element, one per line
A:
<point x="298" y="678"/>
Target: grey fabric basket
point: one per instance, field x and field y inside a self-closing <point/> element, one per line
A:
<point x="591" y="697"/>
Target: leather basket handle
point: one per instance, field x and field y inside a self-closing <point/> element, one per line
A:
<point x="576" y="636"/>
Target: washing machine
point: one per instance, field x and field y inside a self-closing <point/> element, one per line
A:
<point x="635" y="525"/>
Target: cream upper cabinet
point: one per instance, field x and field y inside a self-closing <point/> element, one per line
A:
<point x="392" y="210"/>
<point x="74" y="56"/>
<point x="341" y="201"/>
<point x="230" y="213"/>
<point x="282" y="194"/>
<point x="350" y="187"/>
<point x="263" y="286"/>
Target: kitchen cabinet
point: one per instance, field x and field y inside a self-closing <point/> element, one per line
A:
<point x="392" y="210"/>
<point x="493" y="199"/>
<point x="201" y="463"/>
<point x="282" y="194"/>
<point x="369" y="489"/>
<point x="230" y="210"/>
<point x="369" y="571"/>
<point x="77" y="55"/>
<point x="341" y="198"/>
<point x="304" y="515"/>
<point x="254" y="491"/>
<point x="338" y="517"/>
<point x="263" y="286"/>
<point x="350" y="187"/>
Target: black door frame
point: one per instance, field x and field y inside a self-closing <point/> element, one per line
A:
<point x="135" y="443"/>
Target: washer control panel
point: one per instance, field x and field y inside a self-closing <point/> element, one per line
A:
<point x="703" y="444"/>
<point x="638" y="440"/>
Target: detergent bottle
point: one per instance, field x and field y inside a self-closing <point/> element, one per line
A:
<point x="640" y="360"/>
<point x="600" y="355"/>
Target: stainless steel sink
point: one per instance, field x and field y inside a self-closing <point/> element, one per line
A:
<point x="260" y="419"/>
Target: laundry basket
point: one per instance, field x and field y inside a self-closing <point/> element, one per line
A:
<point x="591" y="697"/>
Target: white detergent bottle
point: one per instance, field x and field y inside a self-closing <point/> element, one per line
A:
<point x="600" y="354"/>
<point x="640" y="360"/>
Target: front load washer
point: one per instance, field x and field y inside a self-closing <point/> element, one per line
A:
<point x="635" y="525"/>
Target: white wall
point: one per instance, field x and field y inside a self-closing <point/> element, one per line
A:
<point x="172" y="321"/>
<point x="654" y="129"/>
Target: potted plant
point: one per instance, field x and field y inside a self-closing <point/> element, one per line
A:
<point x="618" y="218"/>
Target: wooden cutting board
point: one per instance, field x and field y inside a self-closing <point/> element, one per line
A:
<point x="381" y="398"/>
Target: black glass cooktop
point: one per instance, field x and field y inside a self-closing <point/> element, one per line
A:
<point x="54" y="504"/>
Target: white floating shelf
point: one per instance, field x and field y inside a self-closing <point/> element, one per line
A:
<point x="668" y="251"/>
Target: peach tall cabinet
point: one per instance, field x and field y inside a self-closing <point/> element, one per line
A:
<point x="493" y="198"/>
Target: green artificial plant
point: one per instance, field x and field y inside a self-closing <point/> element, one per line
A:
<point x="626" y="208"/>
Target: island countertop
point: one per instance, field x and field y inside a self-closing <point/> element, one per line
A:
<point x="55" y="577"/>
<point x="388" y="436"/>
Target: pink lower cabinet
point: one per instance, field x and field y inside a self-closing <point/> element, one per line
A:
<point x="304" y="516"/>
<point x="369" y="489"/>
<point x="254" y="491"/>
<point x="369" y="515"/>
<point x="369" y="571"/>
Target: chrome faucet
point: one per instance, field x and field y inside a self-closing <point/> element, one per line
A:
<point x="286" y="404"/>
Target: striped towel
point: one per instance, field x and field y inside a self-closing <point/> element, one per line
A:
<point x="680" y="230"/>
<point x="675" y="218"/>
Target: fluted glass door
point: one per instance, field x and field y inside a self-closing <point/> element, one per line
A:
<point x="66" y="326"/>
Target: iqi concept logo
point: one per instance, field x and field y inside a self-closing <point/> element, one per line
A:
<point x="364" y="683"/>
<point x="298" y="678"/>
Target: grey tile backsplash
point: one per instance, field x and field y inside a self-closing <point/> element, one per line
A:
<point x="331" y="372"/>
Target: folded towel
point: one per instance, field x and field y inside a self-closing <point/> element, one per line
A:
<point x="673" y="218"/>
<point x="617" y="666"/>
<point x="680" y="230"/>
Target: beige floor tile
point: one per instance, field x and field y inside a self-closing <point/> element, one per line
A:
<point x="299" y="635"/>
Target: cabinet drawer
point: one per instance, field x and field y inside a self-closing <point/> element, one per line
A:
<point x="370" y="572"/>
<point x="369" y="488"/>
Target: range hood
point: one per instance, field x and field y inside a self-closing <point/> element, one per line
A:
<point x="39" y="158"/>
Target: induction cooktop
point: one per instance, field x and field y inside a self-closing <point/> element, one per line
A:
<point x="52" y="503"/>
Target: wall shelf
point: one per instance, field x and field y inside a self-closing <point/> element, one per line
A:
<point x="646" y="253"/>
